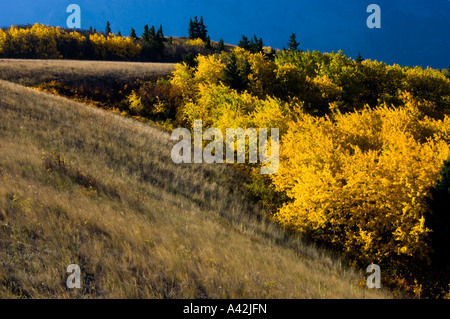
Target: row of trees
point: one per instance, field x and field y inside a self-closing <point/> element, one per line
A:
<point x="46" y="42"/>
<point x="197" y="29"/>
<point x="40" y="41"/>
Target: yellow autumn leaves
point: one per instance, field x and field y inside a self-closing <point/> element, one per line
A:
<point x="121" y="47"/>
<point x="360" y="180"/>
<point x="46" y="42"/>
<point x="37" y="41"/>
<point x="356" y="176"/>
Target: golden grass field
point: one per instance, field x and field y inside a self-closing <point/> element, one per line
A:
<point x="80" y="185"/>
<point x="32" y="72"/>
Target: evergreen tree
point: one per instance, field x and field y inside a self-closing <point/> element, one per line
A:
<point x="253" y="47"/>
<point x="146" y="34"/>
<point x="190" y="60"/>
<point x="293" y="44"/>
<point x="244" y="43"/>
<point x="235" y="77"/>
<point x="133" y="34"/>
<point x="152" y="33"/>
<point x="208" y="42"/>
<point x="202" y="30"/>
<point x="359" y="58"/>
<point x="246" y="70"/>
<point x="158" y="42"/>
<point x="108" y="28"/>
<point x="153" y="43"/>
<point x="231" y="74"/>
<point x="195" y="32"/>
<point x="191" y="29"/>
<point x="221" y="45"/>
<point x="256" y="45"/>
<point x="118" y="34"/>
<point x="197" y="29"/>
<point x="160" y="34"/>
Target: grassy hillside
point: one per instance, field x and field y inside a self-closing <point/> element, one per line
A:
<point x="34" y="72"/>
<point x="81" y="185"/>
<point x="101" y="83"/>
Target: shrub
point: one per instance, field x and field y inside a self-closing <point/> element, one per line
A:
<point x="360" y="181"/>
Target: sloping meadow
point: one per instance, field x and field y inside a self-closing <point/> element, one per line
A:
<point x="79" y="185"/>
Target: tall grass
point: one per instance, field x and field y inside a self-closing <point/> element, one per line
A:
<point x="81" y="185"/>
<point x="33" y="72"/>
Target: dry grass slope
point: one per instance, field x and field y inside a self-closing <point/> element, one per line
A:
<point x="81" y="185"/>
<point x="32" y="72"/>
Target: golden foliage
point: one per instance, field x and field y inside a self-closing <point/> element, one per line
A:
<point x="196" y="43"/>
<point x="210" y="69"/>
<point x="118" y="46"/>
<point x="2" y="40"/>
<point x="41" y="41"/>
<point x="360" y="180"/>
<point x="135" y="102"/>
<point x="183" y="78"/>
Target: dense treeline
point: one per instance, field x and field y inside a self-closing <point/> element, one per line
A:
<point x="46" y="42"/>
